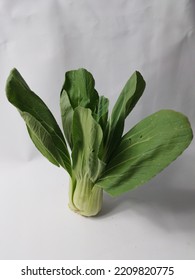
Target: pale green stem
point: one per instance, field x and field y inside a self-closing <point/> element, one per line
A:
<point x="84" y="197"/>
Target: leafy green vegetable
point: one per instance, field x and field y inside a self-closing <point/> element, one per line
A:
<point x="146" y="150"/>
<point x="102" y="158"/>
<point x="42" y="126"/>
<point x="128" y="98"/>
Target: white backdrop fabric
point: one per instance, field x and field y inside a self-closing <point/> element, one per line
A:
<point x="112" y="39"/>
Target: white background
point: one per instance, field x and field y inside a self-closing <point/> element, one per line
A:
<point x="111" y="38"/>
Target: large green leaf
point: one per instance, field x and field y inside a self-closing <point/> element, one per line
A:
<point x="78" y="90"/>
<point x="80" y="87"/>
<point x="87" y="140"/>
<point x="126" y="101"/>
<point x="39" y="120"/>
<point x="146" y="150"/>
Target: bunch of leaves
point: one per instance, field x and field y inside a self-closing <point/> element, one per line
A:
<point x="95" y="146"/>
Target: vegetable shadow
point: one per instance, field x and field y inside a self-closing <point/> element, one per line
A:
<point x="162" y="201"/>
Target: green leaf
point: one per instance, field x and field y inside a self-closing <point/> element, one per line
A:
<point x="128" y="98"/>
<point x="87" y="139"/>
<point x="38" y="118"/>
<point x="41" y="138"/>
<point x="67" y="116"/>
<point x="146" y="150"/>
<point x="101" y="114"/>
<point x="78" y="90"/>
<point x="80" y="87"/>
